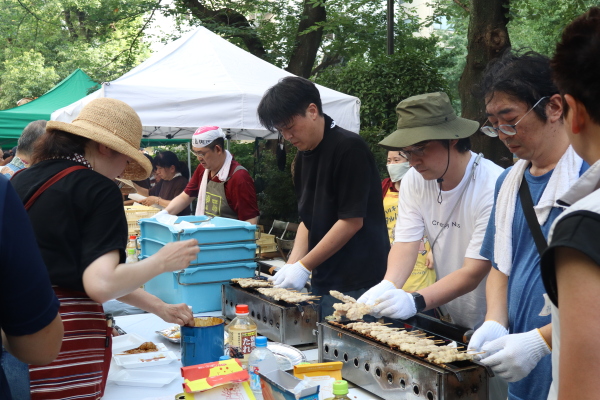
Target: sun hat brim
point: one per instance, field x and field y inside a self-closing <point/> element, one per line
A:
<point x="458" y="128"/>
<point x="138" y="169"/>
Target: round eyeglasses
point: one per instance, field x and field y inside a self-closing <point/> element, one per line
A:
<point x="510" y="130"/>
<point x="418" y="150"/>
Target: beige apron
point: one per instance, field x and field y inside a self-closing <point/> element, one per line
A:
<point x="216" y="204"/>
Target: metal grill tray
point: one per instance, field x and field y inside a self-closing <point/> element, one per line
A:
<point x="292" y="324"/>
<point x="392" y="374"/>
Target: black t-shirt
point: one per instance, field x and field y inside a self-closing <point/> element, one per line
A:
<point x="76" y="220"/>
<point x="339" y="180"/>
<point x="578" y="231"/>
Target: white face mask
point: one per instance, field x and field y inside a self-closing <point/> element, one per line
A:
<point x="397" y="171"/>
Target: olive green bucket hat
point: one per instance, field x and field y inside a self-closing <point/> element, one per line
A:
<point x="427" y="117"/>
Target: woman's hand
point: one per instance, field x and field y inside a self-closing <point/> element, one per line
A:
<point x="176" y="314"/>
<point x="175" y="256"/>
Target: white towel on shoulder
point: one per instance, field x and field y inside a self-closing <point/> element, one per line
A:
<point x="222" y="175"/>
<point x="563" y="177"/>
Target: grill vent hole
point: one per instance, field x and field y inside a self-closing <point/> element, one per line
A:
<point x="326" y="349"/>
<point x="429" y="395"/>
<point x="390" y="378"/>
<point x="356" y="363"/>
<point x="335" y="353"/>
<point x="402" y="384"/>
<point x="378" y="372"/>
<point x="416" y="390"/>
<point x="367" y="367"/>
<point x="345" y="357"/>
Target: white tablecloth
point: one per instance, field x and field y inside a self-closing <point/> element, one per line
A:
<point x="146" y="325"/>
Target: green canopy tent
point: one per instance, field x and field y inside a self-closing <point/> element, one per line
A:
<point x="14" y="120"/>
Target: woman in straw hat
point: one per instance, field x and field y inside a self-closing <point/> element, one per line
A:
<point x="77" y="214"/>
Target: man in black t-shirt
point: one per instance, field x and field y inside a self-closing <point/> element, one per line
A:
<point x="342" y="238"/>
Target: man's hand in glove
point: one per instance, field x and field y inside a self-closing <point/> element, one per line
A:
<point x="489" y="331"/>
<point x="395" y="304"/>
<point x="514" y="356"/>
<point x="291" y="276"/>
<point x="376" y="291"/>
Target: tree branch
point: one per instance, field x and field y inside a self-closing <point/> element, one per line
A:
<point x="461" y="5"/>
<point x="142" y="29"/>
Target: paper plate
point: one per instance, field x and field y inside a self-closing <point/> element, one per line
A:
<point x="134" y="377"/>
<point x="286" y="352"/>
<point x="126" y="342"/>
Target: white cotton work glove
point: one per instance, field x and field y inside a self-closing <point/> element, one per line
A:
<point x="291" y="276"/>
<point x="514" y="356"/>
<point x="396" y="304"/>
<point x="376" y="291"/>
<point x="489" y="331"/>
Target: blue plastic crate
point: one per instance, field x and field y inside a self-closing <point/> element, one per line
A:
<point x="199" y="287"/>
<point x="209" y="254"/>
<point x="225" y="230"/>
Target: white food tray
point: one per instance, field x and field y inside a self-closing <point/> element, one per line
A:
<point x="126" y="342"/>
<point x="134" y="377"/>
<point x="146" y="359"/>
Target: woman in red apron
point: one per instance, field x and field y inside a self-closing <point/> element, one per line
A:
<point x="77" y="214"/>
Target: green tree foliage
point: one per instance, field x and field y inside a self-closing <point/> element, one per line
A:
<point x="25" y="76"/>
<point x="102" y="37"/>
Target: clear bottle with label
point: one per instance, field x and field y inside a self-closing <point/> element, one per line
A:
<point x="340" y="391"/>
<point x="260" y="353"/>
<point x="242" y="335"/>
<point x="131" y="256"/>
<point x="132" y="244"/>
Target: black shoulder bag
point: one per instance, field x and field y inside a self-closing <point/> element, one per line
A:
<point x="534" y="226"/>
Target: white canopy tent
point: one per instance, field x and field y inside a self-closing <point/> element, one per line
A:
<point x="202" y="79"/>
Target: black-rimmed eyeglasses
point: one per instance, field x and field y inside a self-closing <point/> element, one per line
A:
<point x="510" y="130"/>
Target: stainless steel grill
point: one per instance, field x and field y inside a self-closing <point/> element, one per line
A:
<point x="279" y="321"/>
<point x="392" y="374"/>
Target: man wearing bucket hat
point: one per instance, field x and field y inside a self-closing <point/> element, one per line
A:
<point x="342" y="239"/>
<point x="448" y="196"/>
<point x="224" y="188"/>
<point x="78" y="218"/>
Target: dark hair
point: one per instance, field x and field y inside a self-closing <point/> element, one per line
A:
<point x="6" y="154"/>
<point x="217" y="142"/>
<point x="55" y="143"/>
<point x="288" y="98"/>
<point x="576" y="63"/>
<point x="32" y="132"/>
<point x="462" y="145"/>
<point x="166" y="159"/>
<point x="523" y="74"/>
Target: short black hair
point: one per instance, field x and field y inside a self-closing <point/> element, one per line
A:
<point x="462" y="145"/>
<point x="31" y="133"/>
<point x="165" y="159"/>
<point x="217" y="142"/>
<point x="523" y="74"/>
<point x="576" y="62"/>
<point x="291" y="96"/>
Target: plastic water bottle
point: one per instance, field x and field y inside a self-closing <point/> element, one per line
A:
<point x="131" y="256"/>
<point x="259" y="354"/>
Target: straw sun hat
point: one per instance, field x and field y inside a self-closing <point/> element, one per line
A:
<point x="114" y="124"/>
<point x="427" y="117"/>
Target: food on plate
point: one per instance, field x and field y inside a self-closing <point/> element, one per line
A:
<point x="349" y="308"/>
<point x="286" y="295"/>
<point x="146" y="347"/>
<point x="252" y="283"/>
<point x="173" y="332"/>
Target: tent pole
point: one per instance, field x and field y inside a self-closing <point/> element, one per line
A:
<point x="187" y="145"/>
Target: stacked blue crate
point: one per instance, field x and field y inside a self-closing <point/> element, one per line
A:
<point x="227" y="250"/>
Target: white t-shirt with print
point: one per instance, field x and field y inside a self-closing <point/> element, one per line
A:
<point x="421" y="214"/>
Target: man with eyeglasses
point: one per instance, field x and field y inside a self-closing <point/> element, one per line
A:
<point x="447" y="195"/>
<point x="525" y="112"/>
<point x="342" y="239"/>
<point x="224" y="188"/>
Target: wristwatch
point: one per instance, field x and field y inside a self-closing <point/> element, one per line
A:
<point x="419" y="301"/>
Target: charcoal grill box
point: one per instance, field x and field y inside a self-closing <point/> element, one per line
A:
<point x="198" y="287"/>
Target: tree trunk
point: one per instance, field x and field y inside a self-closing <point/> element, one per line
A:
<point x="487" y="39"/>
<point x="305" y="52"/>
